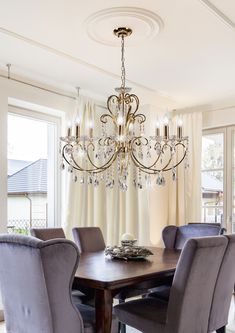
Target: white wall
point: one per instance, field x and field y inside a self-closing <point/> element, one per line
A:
<point x="18" y="207"/>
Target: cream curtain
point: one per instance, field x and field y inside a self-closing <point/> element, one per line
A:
<point x="143" y="213"/>
<point x="180" y="202"/>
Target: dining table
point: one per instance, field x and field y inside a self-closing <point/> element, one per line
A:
<point x="108" y="277"/>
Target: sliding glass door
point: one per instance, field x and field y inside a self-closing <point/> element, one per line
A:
<point x="218" y="176"/>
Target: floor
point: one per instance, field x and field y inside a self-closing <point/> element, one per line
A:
<point x="230" y="327"/>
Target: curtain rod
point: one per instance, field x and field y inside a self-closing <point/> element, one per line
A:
<point x="41" y="88"/>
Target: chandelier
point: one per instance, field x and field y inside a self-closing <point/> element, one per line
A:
<point x="123" y="150"/>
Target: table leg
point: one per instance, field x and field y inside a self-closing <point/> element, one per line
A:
<point x="103" y="307"/>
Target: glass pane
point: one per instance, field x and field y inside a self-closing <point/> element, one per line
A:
<point x="212" y="196"/>
<point x="212" y="214"/>
<point x="212" y="151"/>
<point x="27" y="173"/>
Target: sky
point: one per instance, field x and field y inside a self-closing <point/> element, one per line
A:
<point x="27" y="138"/>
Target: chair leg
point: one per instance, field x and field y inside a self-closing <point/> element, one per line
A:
<point x="121" y="326"/>
<point x="221" y="330"/>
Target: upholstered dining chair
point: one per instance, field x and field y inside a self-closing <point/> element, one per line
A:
<point x="213" y="224"/>
<point x="187" y="310"/>
<point x="174" y="238"/>
<point x="47" y="233"/>
<point x="90" y="239"/>
<point x="36" y="278"/>
<point x="223" y="289"/>
<point x="53" y="233"/>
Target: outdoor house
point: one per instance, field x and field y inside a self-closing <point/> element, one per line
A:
<point x="27" y="194"/>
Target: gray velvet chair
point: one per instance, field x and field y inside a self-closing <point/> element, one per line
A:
<point x="175" y="237"/>
<point x="222" y="229"/>
<point x="187" y="310"/>
<point x="47" y="233"/>
<point x="223" y="289"/>
<point x="53" y="233"/>
<point x="36" y="279"/>
<point x="89" y="239"/>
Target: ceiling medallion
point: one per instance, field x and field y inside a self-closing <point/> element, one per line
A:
<point x="123" y="151"/>
<point x="144" y="23"/>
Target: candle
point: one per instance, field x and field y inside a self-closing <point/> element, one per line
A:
<point x="179" y="127"/>
<point x="90" y="127"/>
<point x="77" y="127"/>
<point x="157" y="129"/>
<point x="120" y="123"/>
<point x="69" y="129"/>
<point x="166" y="127"/>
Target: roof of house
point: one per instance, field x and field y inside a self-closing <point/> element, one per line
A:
<point x="16" y="165"/>
<point x="30" y="179"/>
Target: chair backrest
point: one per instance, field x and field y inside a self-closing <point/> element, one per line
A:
<point x="175" y="237"/>
<point x="36" y="279"/>
<point x="223" y="289"/>
<point x="194" y="284"/>
<point x="213" y="224"/>
<point x="47" y="233"/>
<point x="89" y="239"/>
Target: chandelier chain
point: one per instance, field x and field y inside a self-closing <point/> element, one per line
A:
<point x="123" y="75"/>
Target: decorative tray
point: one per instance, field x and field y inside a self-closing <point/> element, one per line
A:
<point x="128" y="252"/>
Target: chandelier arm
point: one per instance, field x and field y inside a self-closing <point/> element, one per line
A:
<point x="137" y="102"/>
<point x="106" y="141"/>
<point x="96" y="169"/>
<point x="140" y="164"/>
<point x="141" y="116"/>
<point x="151" y="167"/>
<point x="104" y="166"/>
<point x="65" y="158"/>
<point x="104" y="116"/>
<point x="109" y="103"/>
<point x="142" y="167"/>
<point x="170" y="158"/>
<point x="165" y="168"/>
<point x="185" y="152"/>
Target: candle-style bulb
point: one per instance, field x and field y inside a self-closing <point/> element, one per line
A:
<point x="166" y="127"/>
<point x="90" y="127"/>
<point x="77" y="127"/>
<point x="69" y="128"/>
<point x="157" y="128"/>
<point x="120" y="120"/>
<point x="179" y="127"/>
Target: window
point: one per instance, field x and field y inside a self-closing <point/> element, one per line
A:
<point x="212" y="177"/>
<point x="32" y="171"/>
<point x="218" y="176"/>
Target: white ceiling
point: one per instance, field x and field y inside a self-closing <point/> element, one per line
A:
<point x="190" y="62"/>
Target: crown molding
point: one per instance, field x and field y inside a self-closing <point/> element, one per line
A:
<point x="217" y="12"/>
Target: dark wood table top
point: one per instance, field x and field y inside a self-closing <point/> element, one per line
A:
<point x="98" y="271"/>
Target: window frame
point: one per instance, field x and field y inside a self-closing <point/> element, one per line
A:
<point x="229" y="170"/>
<point x="57" y="121"/>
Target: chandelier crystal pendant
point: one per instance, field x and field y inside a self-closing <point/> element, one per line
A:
<point x="123" y="150"/>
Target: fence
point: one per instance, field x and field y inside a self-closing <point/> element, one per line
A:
<point x="23" y="226"/>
